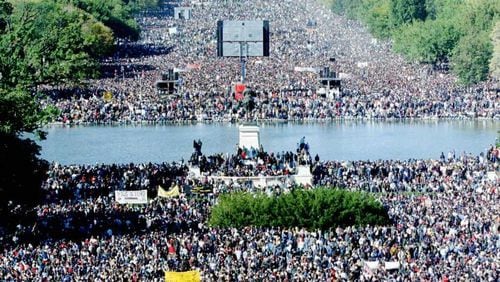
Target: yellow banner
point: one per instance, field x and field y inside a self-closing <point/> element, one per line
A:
<point x="174" y="192"/>
<point x="201" y="189"/>
<point x="186" y="276"/>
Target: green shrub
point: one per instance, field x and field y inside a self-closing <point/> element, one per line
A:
<point x="320" y="208"/>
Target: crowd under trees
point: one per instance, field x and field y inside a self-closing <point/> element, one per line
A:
<point x="460" y="35"/>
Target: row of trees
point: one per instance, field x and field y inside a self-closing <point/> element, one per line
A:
<point x="60" y="41"/>
<point x="48" y="43"/>
<point x="321" y="208"/>
<point x="461" y="32"/>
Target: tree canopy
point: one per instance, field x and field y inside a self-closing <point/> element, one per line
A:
<point x="115" y="14"/>
<point x="407" y="11"/>
<point x="495" y="59"/>
<point x="471" y="56"/>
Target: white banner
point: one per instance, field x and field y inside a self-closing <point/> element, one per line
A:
<point x="362" y="64"/>
<point x="132" y="197"/>
<point x="180" y="70"/>
<point x="302" y="69"/>
<point x="372" y="264"/>
<point x="390" y="265"/>
<point x="343" y="75"/>
<point x="172" y="30"/>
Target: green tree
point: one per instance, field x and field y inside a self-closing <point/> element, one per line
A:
<point x="113" y="13"/>
<point x="471" y="56"/>
<point x="495" y="58"/>
<point x="407" y="11"/>
<point x="428" y="41"/>
<point x="20" y="113"/>
<point x="21" y="171"/>
<point x="138" y="5"/>
<point x="351" y="8"/>
<point x="97" y="38"/>
<point x="45" y="45"/>
<point x="430" y="9"/>
<point x="379" y="19"/>
<point x="479" y="15"/>
<point x="5" y="12"/>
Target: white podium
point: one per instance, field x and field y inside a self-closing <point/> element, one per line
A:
<point x="303" y="176"/>
<point x="249" y="137"/>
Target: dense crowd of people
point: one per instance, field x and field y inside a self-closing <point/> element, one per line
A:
<point x="444" y="211"/>
<point x="444" y="216"/>
<point x="408" y="176"/>
<point x="249" y="162"/>
<point x="376" y="84"/>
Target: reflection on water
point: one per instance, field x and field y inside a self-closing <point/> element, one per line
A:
<point x="339" y="140"/>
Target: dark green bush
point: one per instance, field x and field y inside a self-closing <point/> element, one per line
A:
<point x="313" y="209"/>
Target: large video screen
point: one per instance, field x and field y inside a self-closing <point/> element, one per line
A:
<point x="242" y="38"/>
